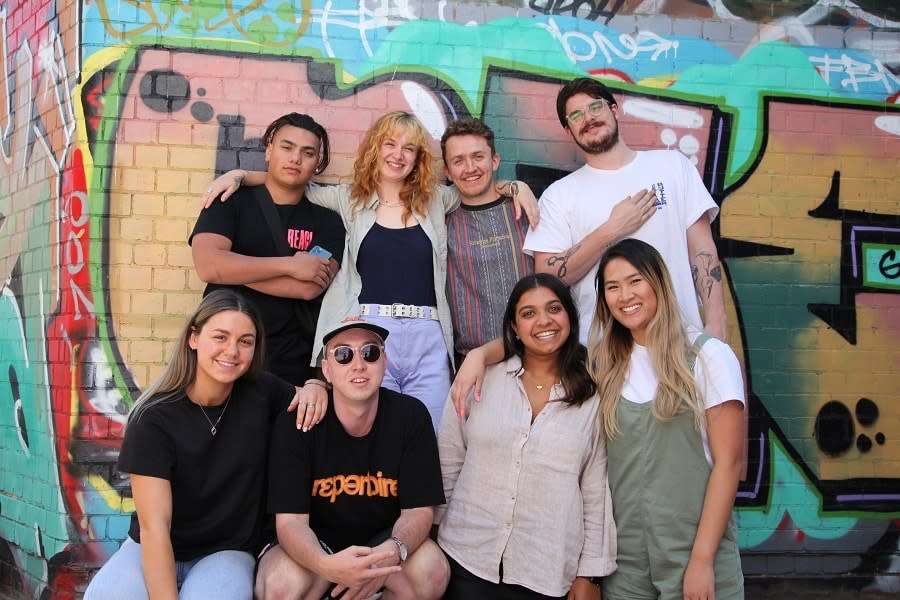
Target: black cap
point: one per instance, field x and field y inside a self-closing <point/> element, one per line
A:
<point x="355" y="323"/>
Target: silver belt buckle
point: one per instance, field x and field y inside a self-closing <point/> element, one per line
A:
<point x="398" y="310"/>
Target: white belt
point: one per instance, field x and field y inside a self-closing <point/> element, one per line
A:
<point x="399" y="311"/>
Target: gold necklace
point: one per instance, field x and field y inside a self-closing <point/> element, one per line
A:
<point x="213" y="427"/>
<point x="539" y="386"/>
<point x="391" y="204"/>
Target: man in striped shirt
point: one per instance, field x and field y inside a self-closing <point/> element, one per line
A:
<point x="484" y="239"/>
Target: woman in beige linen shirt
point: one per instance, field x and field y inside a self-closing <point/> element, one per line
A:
<point x="528" y="510"/>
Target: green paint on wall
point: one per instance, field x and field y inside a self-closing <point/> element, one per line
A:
<point x="772" y="68"/>
<point x="790" y="493"/>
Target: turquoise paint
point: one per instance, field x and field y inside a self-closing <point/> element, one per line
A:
<point x="771" y="69"/>
<point x="881" y="266"/>
<point x="792" y="494"/>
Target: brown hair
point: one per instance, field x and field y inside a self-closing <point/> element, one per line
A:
<point x="467" y="126"/>
<point x="181" y="370"/>
<point x="580" y="85"/>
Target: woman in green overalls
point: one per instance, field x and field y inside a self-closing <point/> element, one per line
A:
<point x="672" y="401"/>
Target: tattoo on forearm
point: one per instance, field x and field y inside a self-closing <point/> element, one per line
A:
<point x="706" y="273"/>
<point x="563" y="260"/>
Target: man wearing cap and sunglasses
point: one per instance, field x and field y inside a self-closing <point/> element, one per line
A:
<point x="354" y="497"/>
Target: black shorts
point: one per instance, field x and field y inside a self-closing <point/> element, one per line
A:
<point x="464" y="585"/>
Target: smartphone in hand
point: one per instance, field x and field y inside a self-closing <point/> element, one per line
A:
<point x="320" y="252"/>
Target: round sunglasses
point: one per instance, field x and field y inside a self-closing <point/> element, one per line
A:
<point x="343" y="354"/>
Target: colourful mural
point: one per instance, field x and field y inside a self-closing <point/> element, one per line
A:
<point x="117" y="113"/>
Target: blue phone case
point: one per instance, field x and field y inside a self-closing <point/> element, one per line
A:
<point x="320" y="251"/>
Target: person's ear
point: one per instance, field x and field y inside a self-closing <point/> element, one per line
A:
<point x="325" y="366"/>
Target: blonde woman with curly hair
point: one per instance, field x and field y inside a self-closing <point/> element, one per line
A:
<point x="395" y="263"/>
<point x="671" y="403"/>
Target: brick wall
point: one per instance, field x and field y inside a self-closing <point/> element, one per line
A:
<point x="118" y="115"/>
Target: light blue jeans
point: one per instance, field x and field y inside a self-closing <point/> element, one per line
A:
<point x="418" y="364"/>
<point x="227" y="574"/>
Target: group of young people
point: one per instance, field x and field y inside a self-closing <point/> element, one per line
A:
<point x="590" y="445"/>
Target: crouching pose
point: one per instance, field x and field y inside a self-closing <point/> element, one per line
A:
<point x="196" y="445"/>
<point x="354" y="498"/>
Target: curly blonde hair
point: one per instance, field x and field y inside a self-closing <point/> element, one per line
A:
<point x="420" y="183"/>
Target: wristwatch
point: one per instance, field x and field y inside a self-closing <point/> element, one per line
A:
<point x="401" y="547"/>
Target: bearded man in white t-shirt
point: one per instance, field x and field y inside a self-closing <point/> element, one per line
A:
<point x="665" y="204"/>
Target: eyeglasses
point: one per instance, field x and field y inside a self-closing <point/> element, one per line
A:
<point x="593" y="109"/>
<point x="343" y="355"/>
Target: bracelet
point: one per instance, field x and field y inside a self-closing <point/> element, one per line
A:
<point x="317" y="382"/>
<point x="513" y="188"/>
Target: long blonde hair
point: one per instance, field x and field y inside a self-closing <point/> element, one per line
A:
<point x="609" y="352"/>
<point x="419" y="185"/>
<point x="181" y="370"/>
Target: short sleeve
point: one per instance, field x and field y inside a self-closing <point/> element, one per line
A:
<point x="331" y="234"/>
<point x="148" y="449"/>
<point x="553" y="233"/>
<point x="277" y="392"/>
<point x="220" y="218"/>
<point x="718" y="374"/>
<point x="697" y="198"/>
<point x="420" y="468"/>
<point x="290" y="478"/>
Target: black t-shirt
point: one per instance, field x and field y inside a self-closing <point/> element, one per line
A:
<point x="290" y="324"/>
<point x="218" y="482"/>
<point x="354" y="487"/>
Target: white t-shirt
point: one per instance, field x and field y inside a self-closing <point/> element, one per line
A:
<point x="717" y="372"/>
<point x="580" y="202"/>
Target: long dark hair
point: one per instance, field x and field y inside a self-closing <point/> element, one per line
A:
<point x="575" y="379"/>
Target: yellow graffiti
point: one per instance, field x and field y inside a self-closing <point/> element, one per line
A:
<point x="263" y="30"/>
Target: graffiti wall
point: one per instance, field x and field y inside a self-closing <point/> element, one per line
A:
<point x="116" y="113"/>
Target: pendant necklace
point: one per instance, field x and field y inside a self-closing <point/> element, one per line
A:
<point x="539" y="386"/>
<point x="213" y="427"/>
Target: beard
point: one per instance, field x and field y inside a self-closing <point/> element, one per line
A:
<point x="604" y="144"/>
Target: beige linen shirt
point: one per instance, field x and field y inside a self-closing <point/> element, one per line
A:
<point x="533" y="496"/>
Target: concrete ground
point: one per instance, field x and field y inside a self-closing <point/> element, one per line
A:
<point x="757" y="588"/>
